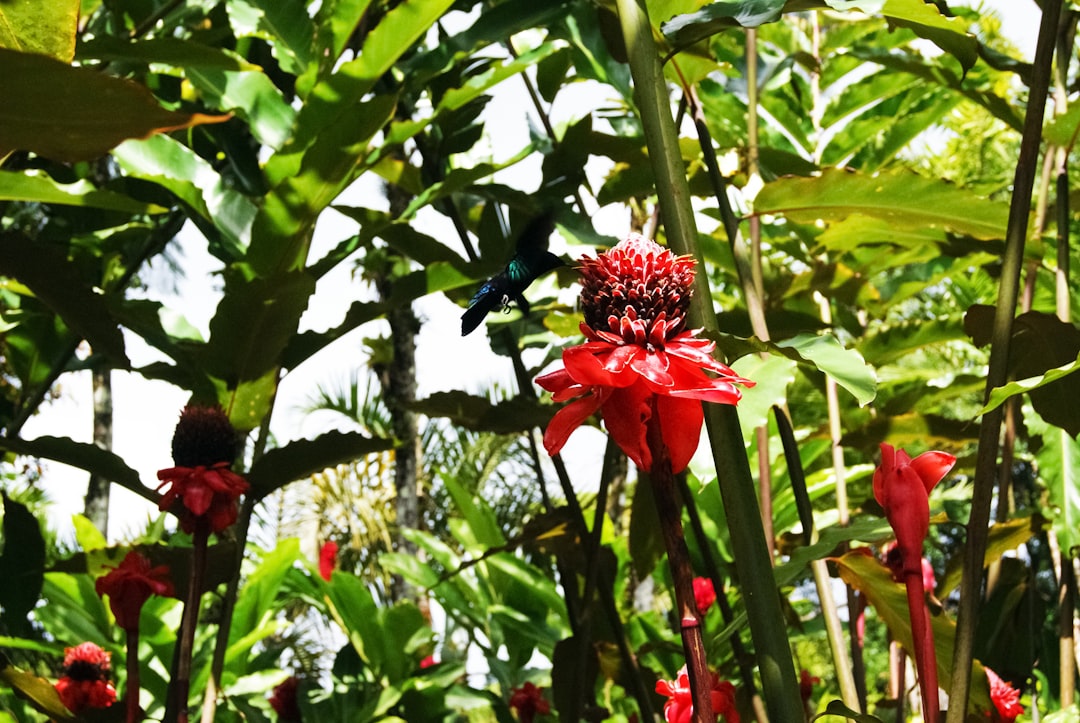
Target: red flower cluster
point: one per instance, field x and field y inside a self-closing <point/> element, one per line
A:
<point x="203" y="444"/>
<point x="130" y="585"/>
<point x="1006" y="699"/>
<point x="704" y="594"/>
<point x="283" y="699"/>
<point x="640" y="365"/>
<point x="527" y="701"/>
<point x="327" y="559"/>
<point x="84" y="683"/>
<point x="679" y="707"/>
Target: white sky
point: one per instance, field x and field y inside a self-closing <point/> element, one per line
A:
<point x="145" y="412"/>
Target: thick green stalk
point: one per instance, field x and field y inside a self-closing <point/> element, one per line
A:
<point x="779" y="685"/>
<point x="997" y="374"/>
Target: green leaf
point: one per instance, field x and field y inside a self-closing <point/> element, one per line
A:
<point x="949" y="34"/>
<point x="887" y="343"/>
<point x="478" y="515"/>
<point x="1058" y="462"/>
<point x="307" y="177"/>
<point x="999" y="395"/>
<point x="1061" y="130"/>
<point x="58" y="283"/>
<point x="22" y="564"/>
<point x="82" y="455"/>
<point x="252" y="96"/>
<point x="644" y="538"/>
<point x="253" y="323"/>
<point x="1002" y="537"/>
<point x="689" y="28"/>
<point x="837" y="708"/>
<point x="40" y="26"/>
<point x="76" y="114"/>
<point x="902" y="198"/>
<point x="178" y="52"/>
<point x="285" y="23"/>
<point x="771" y="377"/>
<point x="302" y="458"/>
<point x="354" y="609"/>
<point x="39" y="187"/>
<point x="857" y="229"/>
<point x="335" y="23"/>
<point x="846" y="366"/>
<point x="334" y="100"/>
<point x="40" y="693"/>
<point x="255" y="601"/>
<point x="480" y="415"/>
<point x="181" y="171"/>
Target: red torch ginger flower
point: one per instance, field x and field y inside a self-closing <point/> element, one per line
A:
<point x="207" y="494"/>
<point x="130" y="585"/>
<point x="1006" y="699"/>
<point x="283" y="699"/>
<point x="327" y="559"/>
<point x="902" y="487"/>
<point x="679" y="707"/>
<point x="203" y="445"/>
<point x="527" y="701"/>
<point x="704" y="594"/>
<point x="639" y="365"/>
<point x="85" y="680"/>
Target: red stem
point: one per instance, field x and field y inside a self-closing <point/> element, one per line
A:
<point x="190" y="620"/>
<point x="131" y="695"/>
<point x="922" y="634"/>
<point x="682" y="576"/>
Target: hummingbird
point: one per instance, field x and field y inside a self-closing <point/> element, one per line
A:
<point x="531" y="259"/>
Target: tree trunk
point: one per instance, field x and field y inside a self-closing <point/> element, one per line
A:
<point x="96" y="508"/>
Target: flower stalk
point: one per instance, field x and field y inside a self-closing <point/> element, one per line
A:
<point x="668" y="511"/>
<point x="182" y="684"/>
<point x="779" y="682"/>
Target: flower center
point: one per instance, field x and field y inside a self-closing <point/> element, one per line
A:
<point x="638" y="291"/>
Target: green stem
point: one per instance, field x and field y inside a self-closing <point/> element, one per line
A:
<point x="997" y="373"/>
<point x="754" y="567"/>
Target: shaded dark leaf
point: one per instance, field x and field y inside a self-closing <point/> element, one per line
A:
<point x="480" y="415"/>
<point x="82" y="455"/>
<point x="22" y="564"/>
<point x="253" y="323"/>
<point x="304" y="457"/>
<point x="59" y="284"/>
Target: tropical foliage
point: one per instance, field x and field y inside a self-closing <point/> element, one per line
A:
<point x="876" y="195"/>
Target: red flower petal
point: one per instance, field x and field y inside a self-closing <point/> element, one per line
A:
<point x="626" y="412"/>
<point x="680" y="427"/>
<point x="932" y="467"/>
<point x="566" y="420"/>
